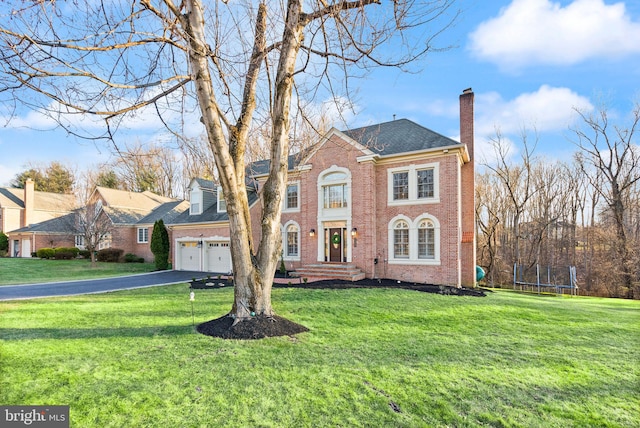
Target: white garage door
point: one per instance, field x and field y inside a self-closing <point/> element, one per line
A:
<point x="218" y="257"/>
<point x="189" y="256"/>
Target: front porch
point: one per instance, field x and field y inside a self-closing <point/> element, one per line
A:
<point x="328" y="270"/>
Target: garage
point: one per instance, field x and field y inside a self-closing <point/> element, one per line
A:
<point x="218" y="257"/>
<point x="189" y="256"/>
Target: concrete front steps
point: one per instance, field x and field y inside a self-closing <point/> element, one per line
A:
<point x="346" y="271"/>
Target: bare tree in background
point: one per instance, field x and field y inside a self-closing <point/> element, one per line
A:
<point x="227" y="63"/>
<point x="610" y="157"/>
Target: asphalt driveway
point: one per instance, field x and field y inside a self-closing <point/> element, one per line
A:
<point x="90" y="286"/>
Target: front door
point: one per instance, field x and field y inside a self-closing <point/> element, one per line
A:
<point x="335" y="244"/>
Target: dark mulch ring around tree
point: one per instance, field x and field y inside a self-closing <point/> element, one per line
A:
<point x="261" y="326"/>
<point x="257" y="327"/>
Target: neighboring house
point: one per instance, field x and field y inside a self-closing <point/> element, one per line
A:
<point x="392" y="200"/>
<point x="20" y="208"/>
<point x="131" y="218"/>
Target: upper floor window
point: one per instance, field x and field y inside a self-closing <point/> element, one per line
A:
<point x="425" y="183"/>
<point x="292" y="200"/>
<point x="195" y="200"/>
<point x="413" y="184"/>
<point x="400" y="185"/>
<point x="143" y="235"/>
<point x="222" y="204"/>
<point x="334" y="186"/>
<point x="335" y="196"/>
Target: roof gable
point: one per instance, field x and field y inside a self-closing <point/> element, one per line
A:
<point x="399" y="136"/>
<point x="383" y="139"/>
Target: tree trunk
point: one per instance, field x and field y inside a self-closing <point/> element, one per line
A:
<point x="253" y="275"/>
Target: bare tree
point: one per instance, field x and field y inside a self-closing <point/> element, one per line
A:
<point x="244" y="59"/>
<point x="516" y="180"/>
<point x="610" y="158"/>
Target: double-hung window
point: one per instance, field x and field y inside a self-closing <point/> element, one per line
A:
<point x="292" y="198"/>
<point x="414" y="242"/>
<point x="143" y="235"/>
<point x="222" y="204"/>
<point x="413" y="184"/>
<point x="401" y="240"/>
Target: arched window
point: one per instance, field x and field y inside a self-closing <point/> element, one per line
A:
<point x="291" y="241"/>
<point x="401" y="240"/>
<point x="293" y="249"/>
<point x="426" y="240"/>
<point x="414" y="241"/>
<point x="335" y="188"/>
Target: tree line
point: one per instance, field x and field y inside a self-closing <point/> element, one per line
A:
<point x="585" y="212"/>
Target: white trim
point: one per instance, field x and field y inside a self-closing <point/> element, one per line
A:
<point x="331" y="215"/>
<point x="413" y="184"/>
<point x="413" y="258"/>
<point x="285" y="209"/>
<point x="195" y="208"/>
<point x="219" y="193"/>
<point x="285" y="256"/>
<point x="146" y="233"/>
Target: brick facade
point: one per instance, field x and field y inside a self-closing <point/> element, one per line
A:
<point x="364" y="168"/>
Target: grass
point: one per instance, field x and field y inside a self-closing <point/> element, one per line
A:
<point x="394" y="358"/>
<point x="30" y="271"/>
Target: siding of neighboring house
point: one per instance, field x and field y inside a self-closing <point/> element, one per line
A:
<point x="127" y="212"/>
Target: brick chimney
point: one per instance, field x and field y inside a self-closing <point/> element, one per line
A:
<point x="466" y="119"/>
<point x="468" y="212"/>
<point x="29" y="202"/>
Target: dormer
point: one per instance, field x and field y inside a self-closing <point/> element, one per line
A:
<point x="202" y="195"/>
<point x="221" y="203"/>
<point x="195" y="200"/>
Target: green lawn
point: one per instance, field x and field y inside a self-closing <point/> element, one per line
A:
<point x="30" y="271"/>
<point x="380" y="358"/>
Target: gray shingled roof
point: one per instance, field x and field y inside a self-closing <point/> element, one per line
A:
<point x="167" y="212"/>
<point x="398" y="136"/>
<point x="389" y="138"/>
<point x="63" y="224"/>
<point x="211" y="214"/>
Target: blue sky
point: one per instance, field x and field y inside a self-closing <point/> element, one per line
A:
<point x="529" y="62"/>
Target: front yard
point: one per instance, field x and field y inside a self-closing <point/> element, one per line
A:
<point x="372" y="357"/>
<point x="30" y="271"/>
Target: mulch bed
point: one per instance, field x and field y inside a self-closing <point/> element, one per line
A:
<point x="261" y="326"/>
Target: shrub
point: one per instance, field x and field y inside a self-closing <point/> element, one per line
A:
<point x="4" y="243"/>
<point x="132" y="258"/>
<point x="46" y="253"/>
<point x="111" y="255"/>
<point x="62" y="254"/>
<point x="85" y="254"/>
<point x="160" y="245"/>
<point x="66" y="253"/>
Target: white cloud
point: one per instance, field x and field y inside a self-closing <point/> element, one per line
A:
<point x="547" y="109"/>
<point x="543" y="32"/>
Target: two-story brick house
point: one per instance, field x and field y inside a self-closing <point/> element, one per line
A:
<point x="392" y="200"/>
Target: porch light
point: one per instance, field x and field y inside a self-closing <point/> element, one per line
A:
<point x="354" y="231"/>
<point x="312" y="232"/>
<point x="199" y="244"/>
